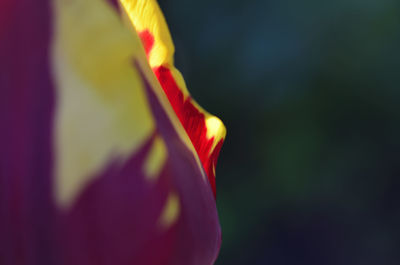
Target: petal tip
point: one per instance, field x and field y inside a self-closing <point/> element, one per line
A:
<point x="215" y="128"/>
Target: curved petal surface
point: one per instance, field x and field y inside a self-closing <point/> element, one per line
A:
<point x="95" y="167"/>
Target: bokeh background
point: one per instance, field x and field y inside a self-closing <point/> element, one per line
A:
<point x="309" y="91"/>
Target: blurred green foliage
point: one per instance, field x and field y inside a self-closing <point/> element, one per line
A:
<point x="309" y="92"/>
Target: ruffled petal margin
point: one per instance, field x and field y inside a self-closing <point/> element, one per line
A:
<point x="206" y="132"/>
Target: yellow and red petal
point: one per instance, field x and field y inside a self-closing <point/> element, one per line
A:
<point x="95" y="167"/>
<point x="206" y="131"/>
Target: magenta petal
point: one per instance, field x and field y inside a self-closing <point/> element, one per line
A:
<point x="26" y="113"/>
<point x="199" y="231"/>
<point x="115" y="219"/>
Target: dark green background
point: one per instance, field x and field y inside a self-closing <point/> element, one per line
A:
<point x="309" y="92"/>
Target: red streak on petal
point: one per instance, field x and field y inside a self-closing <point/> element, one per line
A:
<point x="211" y="163"/>
<point x="192" y="120"/>
<point x="147" y="41"/>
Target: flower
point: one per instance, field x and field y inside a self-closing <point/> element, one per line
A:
<point x="105" y="158"/>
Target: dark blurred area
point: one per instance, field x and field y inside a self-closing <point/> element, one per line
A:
<point x="309" y="92"/>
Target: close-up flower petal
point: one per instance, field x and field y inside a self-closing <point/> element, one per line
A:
<point x="105" y="157"/>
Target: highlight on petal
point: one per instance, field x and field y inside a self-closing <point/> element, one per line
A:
<point x="206" y="131"/>
<point x="170" y="212"/>
<point x="148" y="21"/>
<point x="156" y="159"/>
<point x="100" y="97"/>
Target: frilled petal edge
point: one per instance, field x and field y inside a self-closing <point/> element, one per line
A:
<point x="206" y="132"/>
